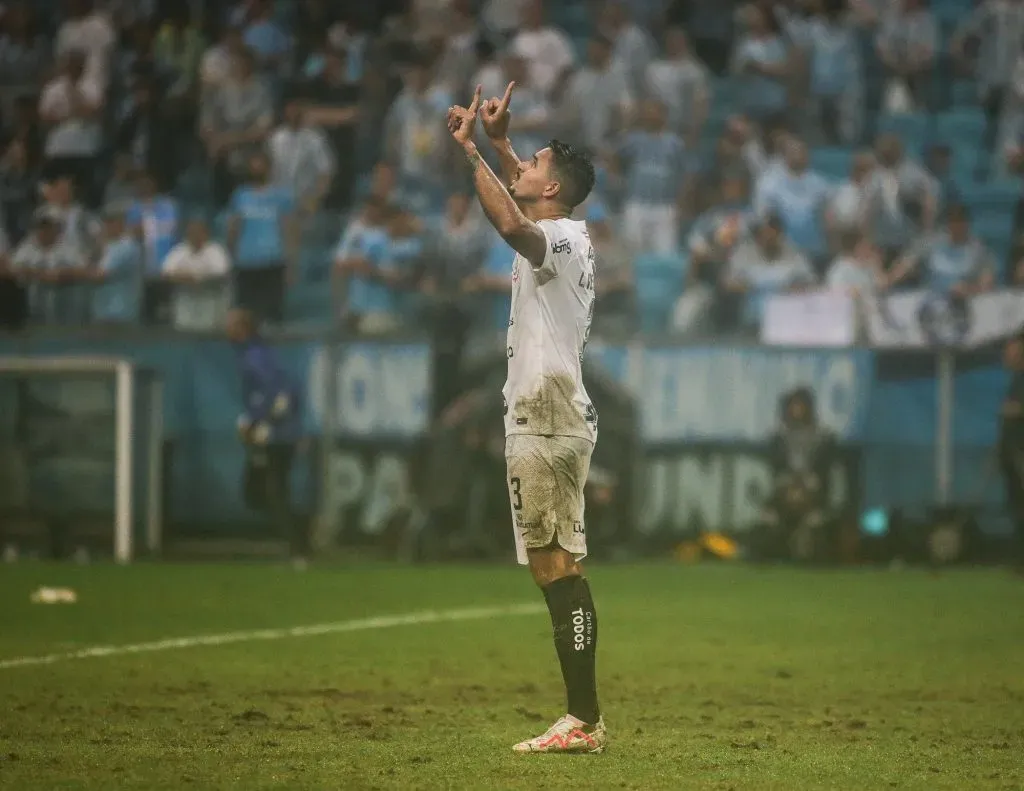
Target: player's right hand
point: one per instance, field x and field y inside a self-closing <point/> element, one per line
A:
<point x="495" y="115"/>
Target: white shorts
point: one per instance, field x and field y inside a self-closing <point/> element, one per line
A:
<point x="546" y="476"/>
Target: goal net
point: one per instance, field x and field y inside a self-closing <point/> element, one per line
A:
<point x="81" y="454"/>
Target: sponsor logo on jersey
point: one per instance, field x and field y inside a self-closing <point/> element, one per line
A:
<point x="560" y="247"/>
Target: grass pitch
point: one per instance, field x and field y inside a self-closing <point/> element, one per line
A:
<point x="711" y="678"/>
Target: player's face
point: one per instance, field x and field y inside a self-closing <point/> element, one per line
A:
<point x="534" y="178"/>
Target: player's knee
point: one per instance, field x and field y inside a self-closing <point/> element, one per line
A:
<point x="552" y="563"/>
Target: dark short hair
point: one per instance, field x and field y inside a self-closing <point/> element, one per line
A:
<point x="575" y="172"/>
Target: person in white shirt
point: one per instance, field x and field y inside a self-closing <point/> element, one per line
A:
<point x="70" y="107"/>
<point x="545" y="48"/>
<point x="88" y="30"/>
<point x="198" y="268"/>
<point x="550" y="422"/>
<point x="680" y="82"/>
<point x="847" y="208"/>
<point x="215" y="65"/>
<point x="301" y="158"/>
<point x="632" y="47"/>
<point x="857" y="269"/>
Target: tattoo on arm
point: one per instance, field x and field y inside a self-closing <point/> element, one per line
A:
<point x="474" y="159"/>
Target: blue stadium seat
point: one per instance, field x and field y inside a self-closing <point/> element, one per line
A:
<point x="965" y="94"/>
<point x="961" y="126"/>
<point x="659" y="282"/>
<point x="992" y="196"/>
<point x="911" y="128"/>
<point x="832" y="162"/>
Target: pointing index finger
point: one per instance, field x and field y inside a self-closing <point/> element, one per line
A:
<point x="476" y="100"/>
<point x="507" y="97"/>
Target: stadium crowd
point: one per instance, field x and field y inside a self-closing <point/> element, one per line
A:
<point x="162" y="160"/>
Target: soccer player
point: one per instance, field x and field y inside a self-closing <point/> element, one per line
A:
<point x="550" y="424"/>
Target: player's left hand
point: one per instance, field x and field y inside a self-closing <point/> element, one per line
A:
<point x="462" y="120"/>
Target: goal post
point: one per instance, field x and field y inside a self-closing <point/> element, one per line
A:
<point x="81" y="440"/>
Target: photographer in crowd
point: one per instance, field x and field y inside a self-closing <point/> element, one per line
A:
<point x="795" y="519"/>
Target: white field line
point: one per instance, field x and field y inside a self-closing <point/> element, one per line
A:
<point x="228" y="638"/>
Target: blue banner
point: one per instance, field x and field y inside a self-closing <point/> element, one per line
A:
<point x="722" y="394"/>
<point x="382" y="391"/>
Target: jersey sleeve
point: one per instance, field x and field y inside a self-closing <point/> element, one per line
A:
<point x="558" y="248"/>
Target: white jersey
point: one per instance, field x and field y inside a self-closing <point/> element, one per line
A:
<point x="552" y="306"/>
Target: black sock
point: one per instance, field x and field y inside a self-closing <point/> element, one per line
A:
<point x="574" y="622"/>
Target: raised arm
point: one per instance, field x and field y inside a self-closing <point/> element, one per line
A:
<point x="523" y="235"/>
<point x="495" y="115"/>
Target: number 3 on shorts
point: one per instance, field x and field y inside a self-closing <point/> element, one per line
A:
<point x="517" y="499"/>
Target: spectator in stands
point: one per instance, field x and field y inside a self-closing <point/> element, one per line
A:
<point x="88" y="30"/>
<point x="713" y="238"/>
<point x="544" y="47"/>
<point x="710" y="23"/>
<point x="178" y="48"/>
<point x="414" y="141"/>
<point x="597" y="99"/>
<point x="22" y="125"/>
<point x="953" y="261"/>
<point x="149" y="135"/>
<point x="767" y="264"/>
<point x="216" y="64"/>
<point x="738" y="155"/>
<point x="615" y="285"/>
<point x="836" y="78"/>
<point x="1013" y="150"/>
<point x="235" y="121"/>
<point x="79" y="231"/>
<point x="502" y="18"/>
<point x="24" y="53"/>
<point x="988" y="43"/>
<point x="404" y="259"/>
<point x="491" y="286"/>
<point x="13" y="305"/>
<point x="458" y="56"/>
<point x="719" y="229"/>
<point x="117" y="277"/>
<point x="798" y="196"/>
<point x="764" y="64"/>
<point x="1016" y="278"/>
<point x="135" y="60"/>
<point x="270" y="45"/>
<point x="680" y="82"/>
<point x="52" y="272"/>
<point x="363" y="273"/>
<point x="123" y="186"/>
<point x="939" y="161"/>
<point x="632" y="47"/>
<point x="197" y="269"/>
<point x="333" y="105"/>
<point x="530" y="128"/>
<point x="489" y="74"/>
<point x="901" y="198"/>
<point x="857" y="270"/>
<point x="456" y="248"/>
<point x="847" y="209"/>
<point x="154" y="217"/>
<point x="261" y="239"/>
<point x="907" y="44"/>
<point x="654" y="167"/>
<point x="18" y="191"/>
<point x="301" y="159"/>
<point x="70" y="107"/>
